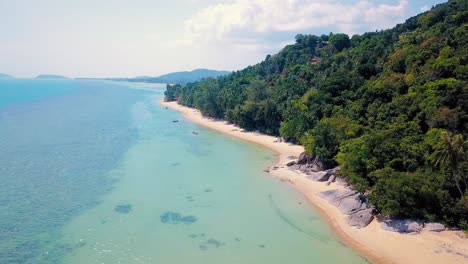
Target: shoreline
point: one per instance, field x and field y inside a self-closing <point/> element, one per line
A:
<point x="371" y="242"/>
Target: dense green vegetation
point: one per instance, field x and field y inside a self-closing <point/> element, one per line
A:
<point x="390" y="107"/>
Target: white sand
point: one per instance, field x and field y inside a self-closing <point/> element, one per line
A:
<point x="377" y="245"/>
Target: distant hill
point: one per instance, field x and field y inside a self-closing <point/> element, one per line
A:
<point x="190" y="76"/>
<point x="5" y="76"/>
<point x="182" y="77"/>
<point x="51" y="76"/>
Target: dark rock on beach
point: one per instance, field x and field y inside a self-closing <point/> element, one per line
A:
<point x="307" y="163"/>
<point x="403" y="226"/>
<point x="361" y="218"/>
<point x="434" y="227"/>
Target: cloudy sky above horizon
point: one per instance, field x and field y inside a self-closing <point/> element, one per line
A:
<point x="123" y="38"/>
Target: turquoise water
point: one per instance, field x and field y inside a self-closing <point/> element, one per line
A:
<point x="97" y="172"/>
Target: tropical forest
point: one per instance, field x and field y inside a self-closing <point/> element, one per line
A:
<point x="389" y="107"/>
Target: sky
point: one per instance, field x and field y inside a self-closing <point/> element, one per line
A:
<point x="126" y="38"/>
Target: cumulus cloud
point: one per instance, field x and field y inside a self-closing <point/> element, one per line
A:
<point x="231" y="20"/>
<point x="424" y="8"/>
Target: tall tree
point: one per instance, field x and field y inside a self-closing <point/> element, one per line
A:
<point x="450" y="153"/>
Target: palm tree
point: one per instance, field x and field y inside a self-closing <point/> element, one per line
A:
<point x="450" y="153"/>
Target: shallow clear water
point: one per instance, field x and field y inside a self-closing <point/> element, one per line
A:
<point x="97" y="172"/>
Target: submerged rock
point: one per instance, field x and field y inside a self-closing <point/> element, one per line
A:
<point x="123" y="208"/>
<point x="403" y="226"/>
<point x="434" y="227"/>
<point x="211" y="243"/>
<point x="176" y="218"/>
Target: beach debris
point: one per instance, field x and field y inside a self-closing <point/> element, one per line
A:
<point x="278" y="140"/>
<point x="177" y="218"/>
<point x="195" y="133"/>
<point x="434" y="227"/>
<point x="405" y="226"/>
<point x="123" y="208"/>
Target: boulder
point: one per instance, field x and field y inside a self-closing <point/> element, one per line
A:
<point x="341" y="181"/>
<point x="320" y="176"/>
<point x="403" y="226"/>
<point x="336" y="195"/>
<point x="313" y="162"/>
<point x="304" y="158"/>
<point x="361" y="218"/>
<point x="331" y="179"/>
<point x="351" y="204"/>
<point x="434" y="227"/>
<point x="461" y="234"/>
<point x="289" y="164"/>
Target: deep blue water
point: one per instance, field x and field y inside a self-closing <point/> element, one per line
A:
<point x="57" y="137"/>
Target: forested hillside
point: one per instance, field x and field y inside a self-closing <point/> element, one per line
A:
<point x="391" y="107"/>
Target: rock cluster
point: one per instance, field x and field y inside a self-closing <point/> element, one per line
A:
<point x="307" y="163"/>
<point x="351" y="203"/>
<point x="405" y="226"/>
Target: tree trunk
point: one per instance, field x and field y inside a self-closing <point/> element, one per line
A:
<point x="454" y="176"/>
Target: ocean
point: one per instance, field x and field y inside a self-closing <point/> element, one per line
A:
<point x="99" y="172"/>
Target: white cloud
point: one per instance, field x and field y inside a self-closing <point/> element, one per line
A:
<point x="424" y="8"/>
<point x="229" y="21"/>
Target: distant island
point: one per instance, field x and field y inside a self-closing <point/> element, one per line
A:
<point x="5" y="76"/>
<point x="51" y="76"/>
<point x="188" y="76"/>
<point x="182" y="77"/>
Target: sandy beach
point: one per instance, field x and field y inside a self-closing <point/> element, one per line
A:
<point x="373" y="243"/>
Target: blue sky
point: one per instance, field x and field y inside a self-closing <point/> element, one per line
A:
<point x="118" y="38"/>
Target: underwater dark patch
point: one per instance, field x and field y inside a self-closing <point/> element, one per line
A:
<point x="176" y="218"/>
<point x="123" y="208"/>
<point x="211" y="243"/>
